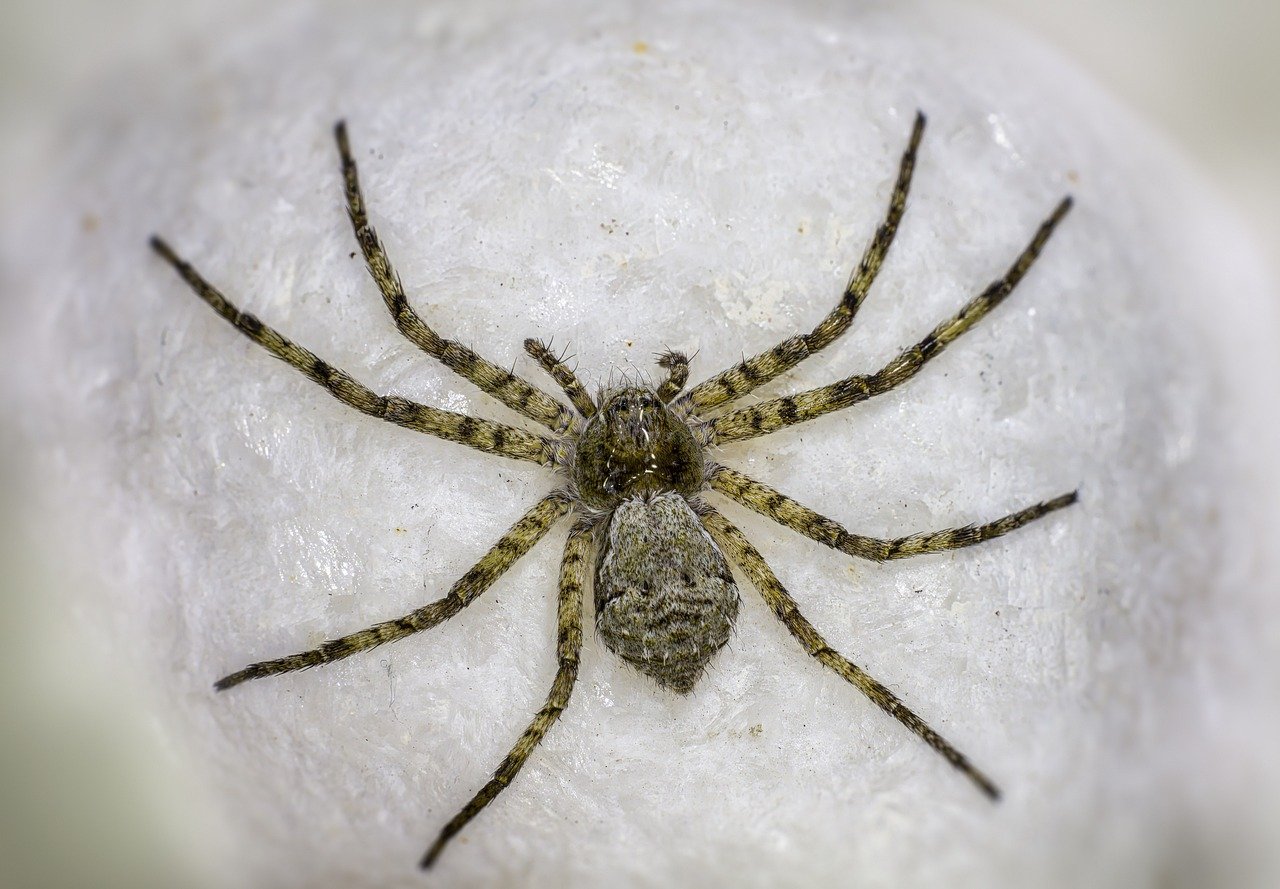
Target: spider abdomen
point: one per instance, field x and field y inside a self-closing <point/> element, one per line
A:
<point x="665" y="598"/>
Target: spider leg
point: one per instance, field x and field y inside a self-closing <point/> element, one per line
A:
<point x="747" y="557"/>
<point x="573" y="572"/>
<point x="735" y="382"/>
<point x="564" y="377"/>
<point x="677" y="366"/>
<point x="782" y="509"/>
<point x="521" y="537"/>
<point x="513" y="391"/>
<point x="778" y="413"/>
<point x="484" y="435"/>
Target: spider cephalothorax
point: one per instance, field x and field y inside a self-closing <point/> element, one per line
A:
<point x="634" y="461"/>
<point x="634" y="445"/>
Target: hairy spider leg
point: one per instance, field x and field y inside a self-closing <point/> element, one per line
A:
<point x="741" y="379"/>
<point x="484" y="435"/>
<point x="513" y="391"/>
<point x="521" y="537"/>
<point x="573" y="573"/>
<point x="745" y="556"/>
<point x="563" y="375"/>
<point x="775" y="505"/>
<point x="677" y="366"/>
<point x="779" y="413"/>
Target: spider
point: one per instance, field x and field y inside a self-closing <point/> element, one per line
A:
<point x="635" y="463"/>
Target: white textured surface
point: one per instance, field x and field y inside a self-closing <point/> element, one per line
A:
<point x="699" y="176"/>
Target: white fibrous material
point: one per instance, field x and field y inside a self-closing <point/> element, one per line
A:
<point x="622" y="180"/>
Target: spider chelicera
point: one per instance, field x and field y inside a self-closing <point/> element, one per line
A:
<point x="635" y="462"/>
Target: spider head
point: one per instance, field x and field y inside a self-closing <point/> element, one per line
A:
<point x="635" y="445"/>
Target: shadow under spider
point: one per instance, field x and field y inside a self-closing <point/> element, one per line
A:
<point x="636" y="463"/>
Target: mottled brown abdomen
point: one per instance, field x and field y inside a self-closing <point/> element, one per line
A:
<point x="665" y="599"/>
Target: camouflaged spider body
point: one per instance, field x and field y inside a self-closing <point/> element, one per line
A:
<point x="636" y="466"/>
<point x="665" y="597"/>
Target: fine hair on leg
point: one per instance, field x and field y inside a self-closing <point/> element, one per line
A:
<point x="779" y="413"/>
<point x="522" y="536"/>
<point x="740" y="551"/>
<point x="484" y="435"/>
<point x="752" y="373"/>
<point x="782" y="509"/>
<point x="573" y="575"/>
<point x="516" y="393"/>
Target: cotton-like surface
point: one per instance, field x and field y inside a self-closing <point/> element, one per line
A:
<point x="699" y="176"/>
